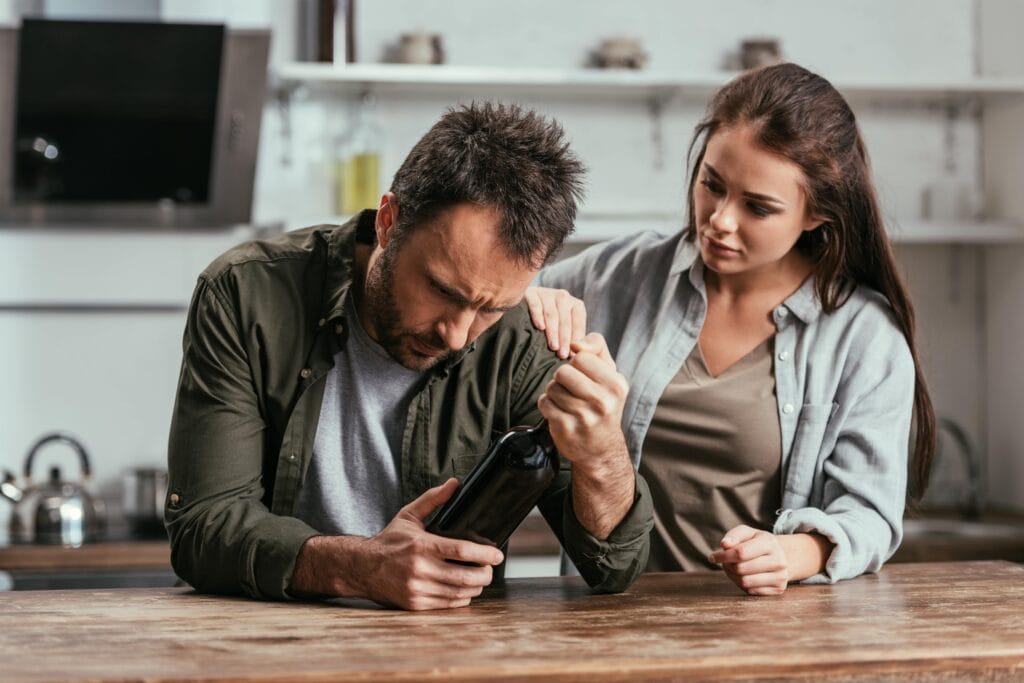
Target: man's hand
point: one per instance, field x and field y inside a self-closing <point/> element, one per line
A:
<point x="583" y="405"/>
<point x="402" y="566"/>
<point x="558" y="313"/>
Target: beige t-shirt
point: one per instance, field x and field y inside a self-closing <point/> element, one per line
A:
<point x="712" y="458"/>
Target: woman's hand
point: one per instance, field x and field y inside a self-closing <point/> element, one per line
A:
<point x="754" y="560"/>
<point x="558" y="313"/>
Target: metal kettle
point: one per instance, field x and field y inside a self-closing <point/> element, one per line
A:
<point x="55" y="512"/>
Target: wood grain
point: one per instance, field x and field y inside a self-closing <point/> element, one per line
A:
<point x="127" y="555"/>
<point x="916" y="622"/>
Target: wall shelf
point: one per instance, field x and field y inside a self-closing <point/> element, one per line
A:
<point x="404" y="77"/>
<point x="599" y="226"/>
<point x="965" y="232"/>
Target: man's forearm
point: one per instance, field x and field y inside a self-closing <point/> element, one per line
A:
<point x="602" y="496"/>
<point x="327" y="566"/>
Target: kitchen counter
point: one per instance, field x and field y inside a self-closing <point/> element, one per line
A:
<point x="950" y="621"/>
<point x="122" y="564"/>
<point x="120" y="555"/>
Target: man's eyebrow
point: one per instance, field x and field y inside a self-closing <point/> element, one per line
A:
<point x="461" y="299"/>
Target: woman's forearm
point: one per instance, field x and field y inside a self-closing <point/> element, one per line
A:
<point x="806" y="554"/>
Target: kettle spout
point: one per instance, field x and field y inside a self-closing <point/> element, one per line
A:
<point x="9" y="489"/>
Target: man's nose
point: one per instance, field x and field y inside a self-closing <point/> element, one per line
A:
<point x="454" y="329"/>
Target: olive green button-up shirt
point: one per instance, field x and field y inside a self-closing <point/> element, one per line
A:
<point x="265" y="323"/>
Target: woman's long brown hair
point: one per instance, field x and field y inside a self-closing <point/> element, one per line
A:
<point x="799" y="115"/>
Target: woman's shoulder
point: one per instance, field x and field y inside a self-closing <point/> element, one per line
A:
<point x="869" y="332"/>
<point x="627" y="256"/>
<point x="866" y="310"/>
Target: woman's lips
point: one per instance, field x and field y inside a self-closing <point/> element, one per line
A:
<point x="719" y="248"/>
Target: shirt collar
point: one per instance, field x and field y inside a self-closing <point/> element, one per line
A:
<point x="341" y="256"/>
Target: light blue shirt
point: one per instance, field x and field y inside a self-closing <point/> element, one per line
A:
<point x="844" y="386"/>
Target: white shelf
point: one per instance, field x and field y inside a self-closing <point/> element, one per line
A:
<point x="967" y="232"/>
<point x="605" y="81"/>
<point x="597" y="227"/>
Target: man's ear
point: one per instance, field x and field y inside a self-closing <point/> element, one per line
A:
<point x="387" y="218"/>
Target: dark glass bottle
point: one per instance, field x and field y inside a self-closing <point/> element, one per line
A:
<point x="501" y="489"/>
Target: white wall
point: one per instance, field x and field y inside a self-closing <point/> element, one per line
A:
<point x="1003" y="149"/>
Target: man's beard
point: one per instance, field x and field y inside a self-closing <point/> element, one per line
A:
<point x="379" y="292"/>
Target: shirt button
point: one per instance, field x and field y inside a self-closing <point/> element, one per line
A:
<point x="788" y="408"/>
<point x="291" y="457"/>
<point x="783" y="355"/>
<point x="781" y="312"/>
<point x="175" y="498"/>
<point x="305" y="374"/>
<point x="321" y="322"/>
<point x="339" y="328"/>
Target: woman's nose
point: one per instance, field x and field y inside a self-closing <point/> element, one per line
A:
<point x="723" y="220"/>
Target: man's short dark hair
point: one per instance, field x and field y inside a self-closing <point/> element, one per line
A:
<point x="500" y="156"/>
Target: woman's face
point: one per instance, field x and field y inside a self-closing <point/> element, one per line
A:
<point x="749" y="205"/>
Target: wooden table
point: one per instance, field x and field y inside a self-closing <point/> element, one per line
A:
<point x="950" y="621"/>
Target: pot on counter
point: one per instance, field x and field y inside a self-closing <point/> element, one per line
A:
<point x="145" y="489"/>
<point x="56" y="512"/>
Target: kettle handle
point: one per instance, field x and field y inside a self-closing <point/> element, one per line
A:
<point x="66" y="438"/>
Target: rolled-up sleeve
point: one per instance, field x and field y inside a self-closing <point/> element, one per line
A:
<point x="611" y="565"/>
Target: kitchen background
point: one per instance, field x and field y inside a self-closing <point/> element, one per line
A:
<point x="91" y="316"/>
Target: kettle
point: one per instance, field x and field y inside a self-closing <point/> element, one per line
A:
<point x="56" y="512"/>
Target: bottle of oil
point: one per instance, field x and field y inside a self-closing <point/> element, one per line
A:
<point x="357" y="162"/>
<point x="501" y="489"/>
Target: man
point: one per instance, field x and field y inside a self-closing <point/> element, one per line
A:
<point x="334" y="375"/>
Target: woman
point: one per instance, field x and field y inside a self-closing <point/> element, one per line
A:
<point x="769" y="346"/>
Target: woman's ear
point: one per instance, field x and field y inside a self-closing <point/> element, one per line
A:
<point x="814" y="222"/>
<point x="387" y="218"/>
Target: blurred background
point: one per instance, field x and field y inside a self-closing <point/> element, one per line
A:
<point x="141" y="138"/>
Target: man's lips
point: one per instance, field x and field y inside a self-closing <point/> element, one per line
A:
<point x="426" y="349"/>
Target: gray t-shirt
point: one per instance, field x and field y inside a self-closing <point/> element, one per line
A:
<point x="352" y="486"/>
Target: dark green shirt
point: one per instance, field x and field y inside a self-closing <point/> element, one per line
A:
<point x="265" y="323"/>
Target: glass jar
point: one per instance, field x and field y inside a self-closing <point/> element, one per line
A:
<point x="357" y="161"/>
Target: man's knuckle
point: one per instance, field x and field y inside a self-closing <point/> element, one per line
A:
<point x="418" y="566"/>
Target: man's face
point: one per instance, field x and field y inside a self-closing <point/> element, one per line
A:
<point x="441" y="286"/>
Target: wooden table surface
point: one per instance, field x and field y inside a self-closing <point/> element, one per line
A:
<point x="950" y="621"/>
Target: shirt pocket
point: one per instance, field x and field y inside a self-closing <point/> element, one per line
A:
<point x="808" y="439"/>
